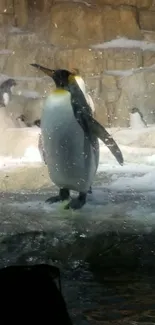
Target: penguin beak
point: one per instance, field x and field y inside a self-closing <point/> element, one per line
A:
<point x="47" y="71"/>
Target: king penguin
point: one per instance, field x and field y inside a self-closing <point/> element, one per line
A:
<point x="70" y="136"/>
<point x="6" y="91"/>
<point x="82" y="86"/>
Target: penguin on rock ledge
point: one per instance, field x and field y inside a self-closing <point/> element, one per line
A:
<point x="70" y="139"/>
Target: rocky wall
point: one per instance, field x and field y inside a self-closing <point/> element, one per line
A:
<point x="111" y="42"/>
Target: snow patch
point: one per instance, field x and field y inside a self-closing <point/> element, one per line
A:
<point x="5" y="51"/>
<point x="5" y="77"/>
<point x="29" y="94"/>
<point x="138" y="183"/>
<point x="32" y="154"/>
<point x="125" y="43"/>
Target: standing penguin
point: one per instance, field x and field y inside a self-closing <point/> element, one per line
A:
<point x="6" y="91"/>
<point x="70" y="136"/>
<point x="136" y="119"/>
<point x="82" y="86"/>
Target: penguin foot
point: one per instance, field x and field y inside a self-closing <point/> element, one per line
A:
<point x="77" y="203"/>
<point x="63" y="195"/>
<point x="90" y="190"/>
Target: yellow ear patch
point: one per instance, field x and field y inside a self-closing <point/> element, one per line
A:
<point x="59" y="91"/>
<point x="71" y="79"/>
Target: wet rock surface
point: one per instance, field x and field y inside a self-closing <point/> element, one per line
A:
<point x="107" y="261"/>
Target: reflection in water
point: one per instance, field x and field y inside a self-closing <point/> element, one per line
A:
<point x="113" y="283"/>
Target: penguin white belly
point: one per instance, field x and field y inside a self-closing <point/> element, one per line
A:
<point x="136" y="122"/>
<point x="70" y="158"/>
<point x="6" y="99"/>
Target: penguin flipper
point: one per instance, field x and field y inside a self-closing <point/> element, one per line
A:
<point x="100" y="132"/>
<point x="144" y="122"/>
<point x="90" y="126"/>
<point x="142" y="117"/>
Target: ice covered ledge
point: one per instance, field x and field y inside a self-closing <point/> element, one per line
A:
<point x="112" y="233"/>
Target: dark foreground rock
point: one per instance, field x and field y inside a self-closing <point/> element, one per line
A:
<point x="107" y="260"/>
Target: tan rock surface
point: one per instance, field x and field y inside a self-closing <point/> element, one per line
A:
<point x="148" y="36"/>
<point x="75" y="27"/>
<point x="15" y="141"/>
<point x="101" y="111"/>
<point x="89" y="61"/>
<point x="139" y="88"/>
<point x="122" y="58"/>
<point x="136" y="3"/>
<point x="24" y="48"/>
<point x="93" y="85"/>
<point x="21" y="12"/>
<point x="6" y="19"/>
<point x="107" y="24"/>
<point x="147" y="20"/>
<point x="122" y="109"/>
<point x="93" y="62"/>
<point x="110" y="90"/>
<point x="148" y="58"/>
<point x="152" y="6"/>
<point x="24" y="178"/>
<point x="6" y="6"/>
<point x="18" y="64"/>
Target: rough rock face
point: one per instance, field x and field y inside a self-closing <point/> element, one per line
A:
<point x="135" y="3"/>
<point x="107" y="24"/>
<point x="80" y="34"/>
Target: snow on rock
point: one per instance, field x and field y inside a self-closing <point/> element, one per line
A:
<point x="125" y="43"/>
<point x="138" y="183"/>
<point x="29" y="94"/>
<point x="18" y="177"/>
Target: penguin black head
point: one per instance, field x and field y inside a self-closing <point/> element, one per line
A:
<point x="6" y="91"/>
<point x="8" y="84"/>
<point x="21" y="118"/>
<point x="37" y="123"/>
<point x="135" y="110"/>
<point x="61" y="77"/>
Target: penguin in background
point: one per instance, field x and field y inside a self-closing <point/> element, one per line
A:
<point x="22" y="118"/>
<point x="6" y="91"/>
<point x="136" y="119"/>
<point x="70" y="137"/>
